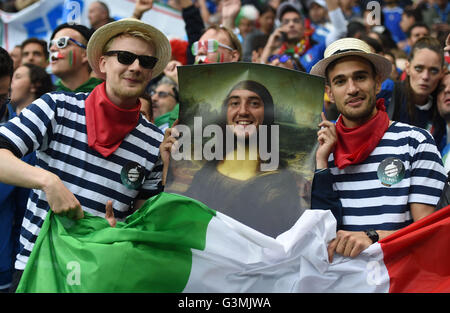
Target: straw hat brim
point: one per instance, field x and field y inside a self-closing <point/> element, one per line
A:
<point x="102" y="35"/>
<point x="383" y="66"/>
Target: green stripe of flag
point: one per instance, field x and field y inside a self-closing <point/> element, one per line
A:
<point x="149" y="252"/>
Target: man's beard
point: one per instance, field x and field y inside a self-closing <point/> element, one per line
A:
<point x="362" y="116"/>
<point x="126" y="93"/>
<point x="293" y="41"/>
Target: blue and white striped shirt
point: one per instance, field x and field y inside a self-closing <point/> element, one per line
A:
<point x="55" y="126"/>
<point x="368" y="203"/>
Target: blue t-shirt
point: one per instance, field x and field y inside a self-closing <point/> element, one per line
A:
<point x="312" y="56"/>
<point x="392" y="18"/>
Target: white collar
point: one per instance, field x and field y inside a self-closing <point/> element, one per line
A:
<point x="427" y="105"/>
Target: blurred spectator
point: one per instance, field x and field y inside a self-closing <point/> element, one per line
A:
<point x="392" y="17"/>
<point x="245" y="21"/>
<point x="318" y="14"/>
<point x="12" y="199"/>
<point x="68" y="58"/>
<point x="260" y="34"/>
<point x="413" y="100"/>
<point x="414" y="33"/>
<point x="395" y="74"/>
<point x="443" y="106"/>
<point x="6" y="73"/>
<point x="255" y="45"/>
<point x="8" y="237"/>
<point x="218" y="44"/>
<point x="266" y="20"/>
<point x="290" y="38"/>
<point x="35" y="51"/>
<point x="437" y="16"/>
<point x="356" y="29"/>
<point x="410" y="17"/>
<point x="350" y="9"/>
<point x="147" y="107"/>
<point x="328" y="21"/>
<point x="16" y="56"/>
<point x="98" y="14"/>
<point x="165" y="107"/>
<point x="29" y="82"/>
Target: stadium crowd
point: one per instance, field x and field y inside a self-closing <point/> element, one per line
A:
<point x="411" y="37"/>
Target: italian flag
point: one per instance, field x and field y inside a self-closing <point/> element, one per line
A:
<point x="177" y="244"/>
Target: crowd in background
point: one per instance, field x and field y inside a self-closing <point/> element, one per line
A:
<point x="293" y="35"/>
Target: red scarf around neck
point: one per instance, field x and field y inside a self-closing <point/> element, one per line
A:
<point x="354" y="145"/>
<point x="107" y="124"/>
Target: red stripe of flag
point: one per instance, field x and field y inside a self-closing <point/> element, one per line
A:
<point x="418" y="256"/>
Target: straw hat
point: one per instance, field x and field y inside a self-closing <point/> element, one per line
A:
<point x="352" y="47"/>
<point x="110" y="30"/>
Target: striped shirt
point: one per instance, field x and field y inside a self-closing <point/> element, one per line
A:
<point x="55" y="127"/>
<point x="367" y="203"/>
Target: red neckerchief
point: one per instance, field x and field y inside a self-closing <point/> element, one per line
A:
<point x="106" y="123"/>
<point x="354" y="145"/>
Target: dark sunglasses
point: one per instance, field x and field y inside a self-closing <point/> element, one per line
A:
<point x="127" y="58"/>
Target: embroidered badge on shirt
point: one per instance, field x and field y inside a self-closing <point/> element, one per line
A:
<point x="391" y="171"/>
<point x="132" y="175"/>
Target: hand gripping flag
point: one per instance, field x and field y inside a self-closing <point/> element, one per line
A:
<point x="176" y="244"/>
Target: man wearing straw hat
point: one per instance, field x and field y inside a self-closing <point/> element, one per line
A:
<point x="95" y="152"/>
<point x="386" y="174"/>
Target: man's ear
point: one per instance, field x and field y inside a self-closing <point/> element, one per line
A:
<point x="84" y="58"/>
<point x="33" y="89"/>
<point x="235" y="55"/>
<point x="329" y="93"/>
<point x="102" y="64"/>
<point x="378" y="83"/>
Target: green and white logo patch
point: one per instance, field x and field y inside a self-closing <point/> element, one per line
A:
<point x="132" y="175"/>
<point x="391" y="171"/>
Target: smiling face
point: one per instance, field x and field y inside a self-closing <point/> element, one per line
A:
<point x="425" y="71"/>
<point x="245" y="111"/>
<point x="125" y="83"/>
<point x="353" y="86"/>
